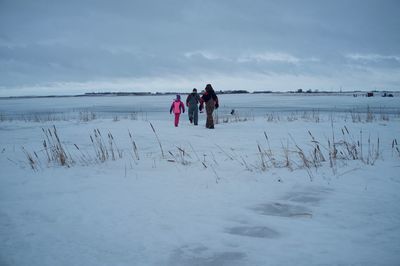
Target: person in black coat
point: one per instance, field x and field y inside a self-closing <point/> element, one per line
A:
<point x="211" y="101"/>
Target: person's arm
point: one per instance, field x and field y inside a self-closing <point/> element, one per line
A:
<point x="215" y="99"/>
<point x="183" y="107"/>
<point x="201" y="106"/>
<point x="172" y="107"/>
<point x="187" y="100"/>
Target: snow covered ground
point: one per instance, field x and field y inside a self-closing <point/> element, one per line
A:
<point x="257" y="190"/>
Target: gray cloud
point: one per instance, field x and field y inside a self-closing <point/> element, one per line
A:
<point x="46" y="45"/>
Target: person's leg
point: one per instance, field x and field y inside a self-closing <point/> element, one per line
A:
<point x="211" y="123"/>
<point x="208" y="117"/>
<point x="177" y="119"/>
<point x="190" y="112"/>
<point x="209" y="110"/>
<point x="195" y="116"/>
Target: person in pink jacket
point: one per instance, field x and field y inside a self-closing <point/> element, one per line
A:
<point x="177" y="107"/>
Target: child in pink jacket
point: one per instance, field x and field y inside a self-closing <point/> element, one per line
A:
<point x="177" y="107"/>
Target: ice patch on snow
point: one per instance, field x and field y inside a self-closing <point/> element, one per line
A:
<point x="253" y="231"/>
<point x="201" y="255"/>
<point x="282" y="209"/>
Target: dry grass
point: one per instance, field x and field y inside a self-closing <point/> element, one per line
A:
<point x="158" y="140"/>
<point x="334" y="152"/>
<point x="395" y="148"/>
<point x="134" y="146"/>
<point x="54" y="148"/>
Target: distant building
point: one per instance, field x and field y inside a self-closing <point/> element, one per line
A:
<point x="387" y="94"/>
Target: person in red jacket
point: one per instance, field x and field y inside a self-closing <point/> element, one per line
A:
<point x="177" y="107"/>
<point x="210" y="98"/>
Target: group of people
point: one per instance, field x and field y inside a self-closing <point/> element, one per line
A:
<point x="195" y="103"/>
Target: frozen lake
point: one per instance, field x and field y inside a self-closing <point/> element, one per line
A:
<point x="258" y="192"/>
<point x="157" y="107"/>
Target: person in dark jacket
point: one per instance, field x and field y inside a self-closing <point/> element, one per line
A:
<point x="211" y="100"/>
<point x="192" y="102"/>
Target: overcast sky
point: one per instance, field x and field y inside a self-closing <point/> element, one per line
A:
<point x="77" y="46"/>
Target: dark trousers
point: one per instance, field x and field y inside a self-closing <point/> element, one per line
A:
<point x="193" y="114"/>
